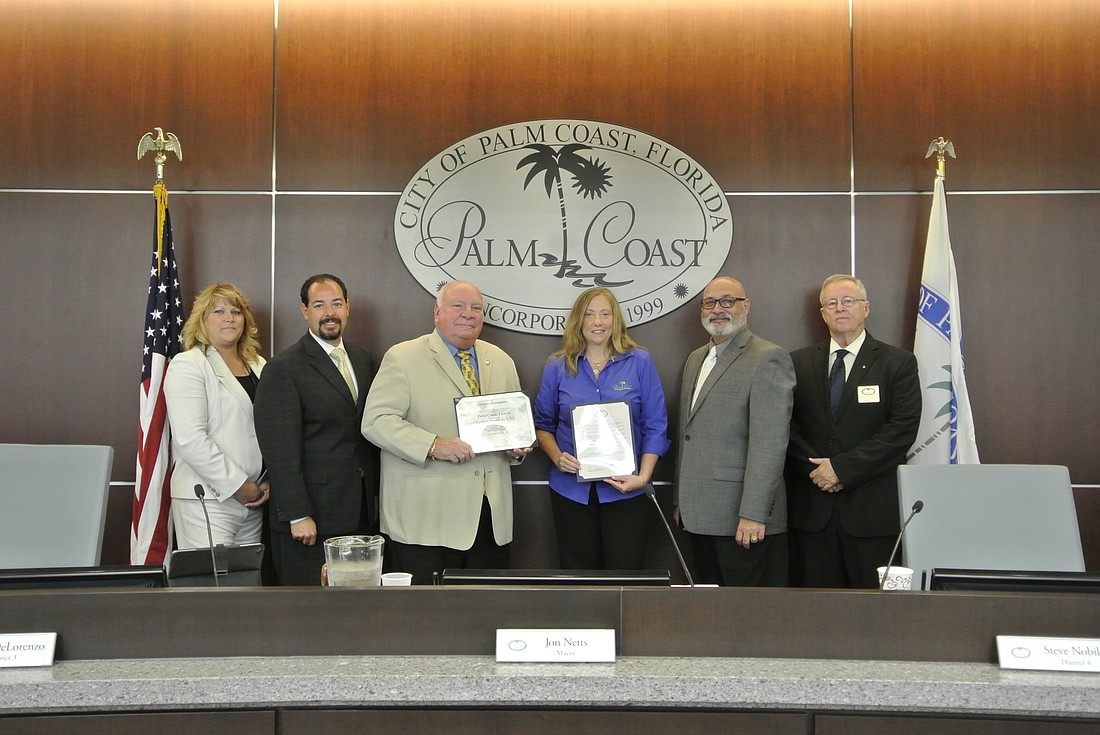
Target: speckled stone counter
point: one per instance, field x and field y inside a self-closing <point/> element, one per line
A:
<point x="478" y="681"/>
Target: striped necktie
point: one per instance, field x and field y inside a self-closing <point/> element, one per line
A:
<point x="469" y="373"/>
<point x="341" y="359"/>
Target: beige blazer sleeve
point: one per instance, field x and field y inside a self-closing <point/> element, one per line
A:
<point x="410" y="403"/>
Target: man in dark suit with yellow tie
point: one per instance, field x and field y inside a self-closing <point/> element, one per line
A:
<point x="857" y="408"/>
<point x="308" y="408"/>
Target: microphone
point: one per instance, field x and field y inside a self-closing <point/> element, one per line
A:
<point x="917" y="508"/>
<point x="683" y="565"/>
<point x="200" y="493"/>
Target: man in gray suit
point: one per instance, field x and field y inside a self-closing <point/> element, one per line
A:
<point x="735" y="411"/>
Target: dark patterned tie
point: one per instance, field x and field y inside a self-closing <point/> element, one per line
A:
<point x="469" y="373"/>
<point x="836" y="382"/>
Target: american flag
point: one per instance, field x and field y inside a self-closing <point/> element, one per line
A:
<point x="150" y="537"/>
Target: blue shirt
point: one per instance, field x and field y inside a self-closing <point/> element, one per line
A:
<point x="458" y="360"/>
<point x="631" y="377"/>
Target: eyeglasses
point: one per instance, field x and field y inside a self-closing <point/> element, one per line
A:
<point x="727" y="302"/>
<point x="847" y="302"/>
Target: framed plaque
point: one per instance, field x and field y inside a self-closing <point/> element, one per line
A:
<point x="604" y="439"/>
<point x="495" y="422"/>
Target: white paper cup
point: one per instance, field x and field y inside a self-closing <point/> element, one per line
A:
<point x="899" y="579"/>
<point x="397" y="579"/>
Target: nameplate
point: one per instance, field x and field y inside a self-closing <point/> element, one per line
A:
<point x="27" y="649"/>
<point x="547" y="645"/>
<point x="1048" y="654"/>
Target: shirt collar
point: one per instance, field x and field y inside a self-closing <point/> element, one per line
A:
<point x="853" y="348"/>
<point x="327" y="346"/>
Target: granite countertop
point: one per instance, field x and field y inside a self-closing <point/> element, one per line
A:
<point x="478" y="681"/>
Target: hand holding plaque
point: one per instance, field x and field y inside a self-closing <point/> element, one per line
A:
<point x="604" y="439"/>
<point x="495" y="422"/>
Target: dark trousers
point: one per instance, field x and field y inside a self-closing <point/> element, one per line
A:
<point x="425" y="562"/>
<point x="721" y="560"/>
<point x="833" y="558"/>
<point x="297" y="565"/>
<point x="601" y="535"/>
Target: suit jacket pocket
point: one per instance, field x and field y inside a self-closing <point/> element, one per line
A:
<point x="729" y="474"/>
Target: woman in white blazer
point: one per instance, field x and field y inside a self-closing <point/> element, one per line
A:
<point x="209" y="389"/>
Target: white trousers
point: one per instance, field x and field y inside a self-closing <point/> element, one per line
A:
<point x="230" y="523"/>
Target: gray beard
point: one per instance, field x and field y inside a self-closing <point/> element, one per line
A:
<point x="726" y="329"/>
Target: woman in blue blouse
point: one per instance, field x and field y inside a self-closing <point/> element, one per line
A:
<point x="602" y="524"/>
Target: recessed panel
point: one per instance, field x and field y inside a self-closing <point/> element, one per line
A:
<point x="76" y="274"/>
<point x="1014" y="85"/>
<point x="1030" y="334"/>
<point x="82" y="82"/>
<point x="756" y="91"/>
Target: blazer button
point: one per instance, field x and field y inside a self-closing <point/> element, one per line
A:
<point x="687" y="437"/>
<point x="477" y="473"/>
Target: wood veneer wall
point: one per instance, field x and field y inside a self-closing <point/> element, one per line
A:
<point x="814" y="120"/>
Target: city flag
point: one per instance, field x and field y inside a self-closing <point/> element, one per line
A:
<point x="946" y="433"/>
<point x="150" y="532"/>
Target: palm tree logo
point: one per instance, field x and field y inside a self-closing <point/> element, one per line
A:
<point x="950" y="409"/>
<point x="591" y="179"/>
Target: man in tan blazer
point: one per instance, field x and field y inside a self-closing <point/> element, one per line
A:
<point x="441" y="505"/>
<point x="735" y="412"/>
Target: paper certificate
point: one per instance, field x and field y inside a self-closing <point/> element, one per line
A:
<point x="495" y="422"/>
<point x="604" y="440"/>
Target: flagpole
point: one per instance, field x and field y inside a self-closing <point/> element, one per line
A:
<point x="946" y="434"/>
<point x="150" y="530"/>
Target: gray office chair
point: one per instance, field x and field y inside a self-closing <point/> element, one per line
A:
<point x="54" y="504"/>
<point x="989" y="516"/>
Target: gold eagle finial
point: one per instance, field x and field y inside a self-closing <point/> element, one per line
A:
<point x="162" y="145"/>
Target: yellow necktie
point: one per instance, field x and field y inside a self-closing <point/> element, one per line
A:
<point x="341" y="359"/>
<point x="469" y="373"/>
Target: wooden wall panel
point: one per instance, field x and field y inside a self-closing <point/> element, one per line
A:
<point x="1025" y="266"/>
<point x="72" y="266"/>
<point x="1015" y="85"/>
<point x="82" y="82"/>
<point x="783" y="247"/>
<point x="757" y="91"/>
<point x="551" y="721"/>
<point x="75" y="268"/>
<point x="943" y="725"/>
<point x="125" y="723"/>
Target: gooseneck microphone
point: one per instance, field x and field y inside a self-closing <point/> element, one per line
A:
<point x="200" y="493"/>
<point x="683" y="565"/>
<point x="917" y="508"/>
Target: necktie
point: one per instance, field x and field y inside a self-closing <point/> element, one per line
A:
<point x="704" y="371"/>
<point x="836" y="382"/>
<point x="341" y="359"/>
<point x="469" y="373"/>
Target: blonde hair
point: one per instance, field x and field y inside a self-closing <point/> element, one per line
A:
<point x="194" y="330"/>
<point x="573" y="342"/>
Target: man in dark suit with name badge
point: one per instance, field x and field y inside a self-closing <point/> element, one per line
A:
<point x="309" y="405"/>
<point x="857" y="409"/>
